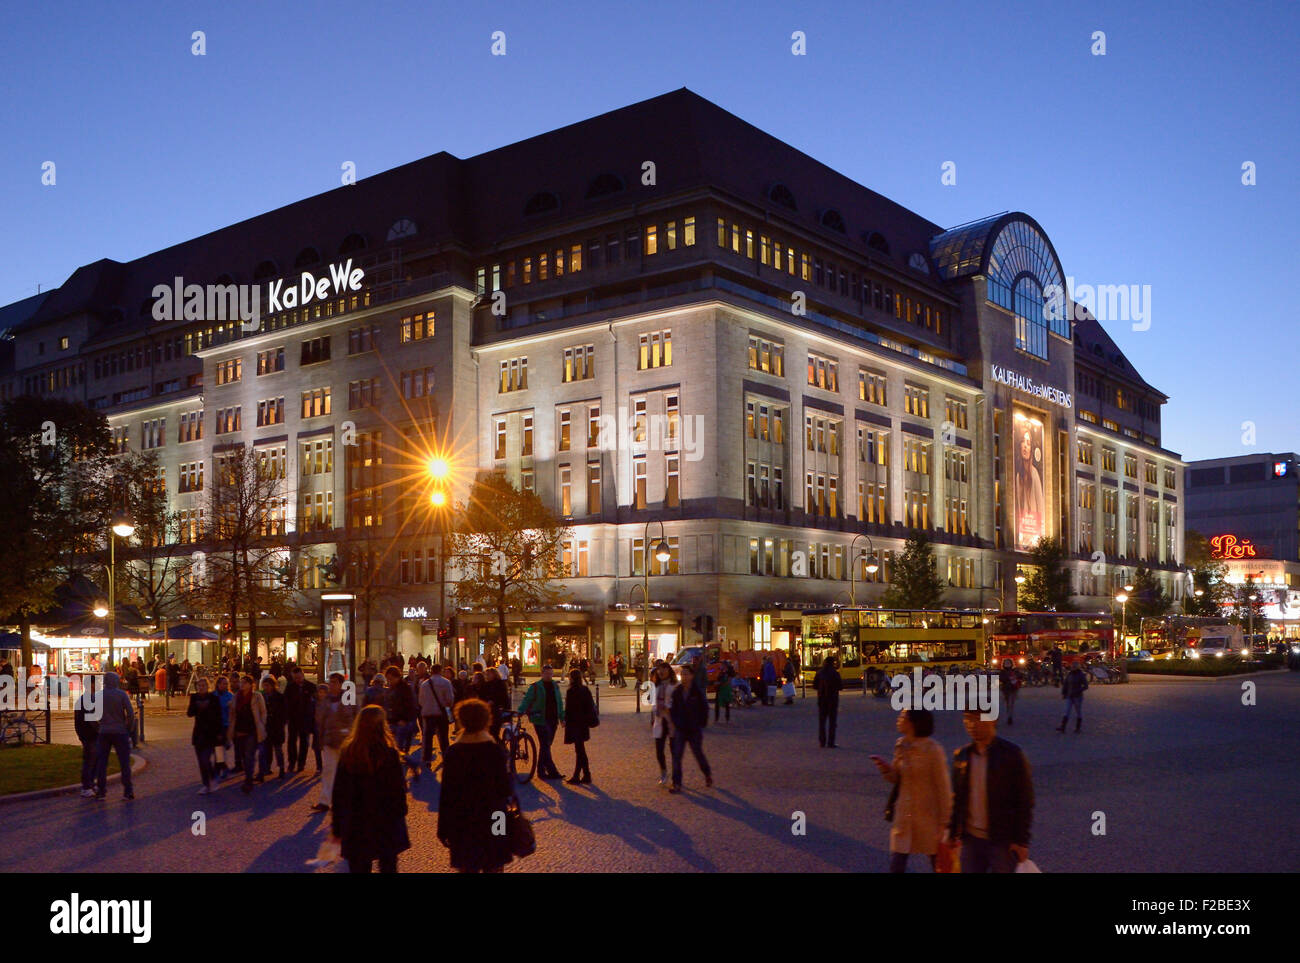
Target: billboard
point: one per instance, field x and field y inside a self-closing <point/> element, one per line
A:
<point x="1029" y="490"/>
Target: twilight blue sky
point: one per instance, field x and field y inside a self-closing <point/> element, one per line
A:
<point x="1130" y="161"/>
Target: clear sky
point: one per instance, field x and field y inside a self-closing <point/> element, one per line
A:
<point x="1131" y="161"/>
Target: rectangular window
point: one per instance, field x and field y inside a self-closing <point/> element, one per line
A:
<point x="514" y="375"/>
<point x="499" y="448"/>
<point x="639" y="481"/>
<point x="1130" y="466"/>
<point x="672" y="491"/>
<point x="1108" y="459"/>
<point x="954" y="411"/>
<point x="362" y="339"/>
<point x="315" y="351"/>
<point x="823" y="372"/>
<point x="191" y="427"/>
<point x="1085" y="453"/>
<point x="229" y="420"/>
<point x="316" y="403"/>
<point x="766" y="356"/>
<point x="565" y="432"/>
<point x="871" y="387"/>
<point x="651" y="239"/>
<point x="656" y="350"/>
<point x="579" y="363"/>
<point x="917" y="401"/>
<point x="363" y="394"/>
<point x="670" y="235"/>
<point x="566" y="491"/>
<point x="593" y="488"/>
<point x="417" y="327"/>
<point x="593" y="426"/>
<point x="526" y="448"/>
<point x="688" y="232"/>
<point x="270" y="411"/>
<point x="228" y="372"/>
<point x="417" y="383"/>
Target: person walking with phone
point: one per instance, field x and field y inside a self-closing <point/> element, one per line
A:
<point x="920" y="804"/>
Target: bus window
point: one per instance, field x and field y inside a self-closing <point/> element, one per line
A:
<point x="849" y="656"/>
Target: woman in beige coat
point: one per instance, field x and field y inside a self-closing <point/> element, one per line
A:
<point x="924" y="804"/>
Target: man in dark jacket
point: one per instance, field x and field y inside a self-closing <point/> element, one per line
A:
<point x="300" y="716"/>
<point x="688" y="709"/>
<point x="276" y="718"/>
<point x="88" y="733"/>
<point x="828" y="685"/>
<point x="768" y="678"/>
<point x="1072" y="689"/>
<point x="993" y="800"/>
<point x="173" y="674"/>
<point x="116" y="724"/>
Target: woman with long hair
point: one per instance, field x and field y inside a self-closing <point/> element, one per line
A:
<point x="369" y="800"/>
<point x="208" y="732"/>
<point x="579" y="718"/>
<point x="660" y="722"/>
<point x="475" y="788"/>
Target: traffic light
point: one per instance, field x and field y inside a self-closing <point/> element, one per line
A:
<point x="708" y="628"/>
<point x="698" y="624"/>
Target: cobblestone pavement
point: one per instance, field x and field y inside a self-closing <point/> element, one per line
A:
<point x="1188" y="778"/>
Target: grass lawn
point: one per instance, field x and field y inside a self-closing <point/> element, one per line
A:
<point x="42" y="767"/>
<point x="1201" y="667"/>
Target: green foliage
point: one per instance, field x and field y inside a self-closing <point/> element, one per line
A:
<point x="53" y="455"/>
<point x="914" y="581"/>
<point x="1199" y="667"/>
<point x="1047" y="582"/>
<point x="507" y="548"/>
<point x="1148" y="598"/>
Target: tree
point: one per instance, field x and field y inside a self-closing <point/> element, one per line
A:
<point x="1148" y="599"/>
<point x="53" y="454"/>
<point x="1047" y="585"/>
<point x="915" y="580"/>
<point x="154" y="572"/>
<point x="507" y="547"/>
<point x="1247" y="601"/>
<point x="1208" y="577"/>
<point x="243" y="533"/>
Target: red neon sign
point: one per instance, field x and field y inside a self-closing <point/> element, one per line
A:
<point x="1227" y="546"/>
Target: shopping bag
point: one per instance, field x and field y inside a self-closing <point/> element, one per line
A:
<point x="945" y="860"/>
<point x="1027" y="866"/>
<point x="787" y="690"/>
<point x="330" y="852"/>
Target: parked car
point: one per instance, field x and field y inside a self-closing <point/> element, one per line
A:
<point x="1142" y="655"/>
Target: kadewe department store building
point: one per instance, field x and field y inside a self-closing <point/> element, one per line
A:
<point x="505" y="309"/>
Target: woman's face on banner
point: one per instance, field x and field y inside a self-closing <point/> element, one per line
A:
<point x="1027" y="446"/>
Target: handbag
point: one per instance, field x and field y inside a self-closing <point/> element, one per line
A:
<point x="945" y="860"/>
<point x="519" y="831"/>
<point x="893" y="800"/>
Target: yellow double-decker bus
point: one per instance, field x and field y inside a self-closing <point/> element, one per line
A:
<point x="891" y="640"/>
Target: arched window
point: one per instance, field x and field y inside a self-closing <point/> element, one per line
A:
<point x="404" y="227"/>
<point x="541" y="203"/>
<point x="780" y="194"/>
<point x="1031" y="317"/>
<point x="265" y="271"/>
<point x="603" y="185"/>
<point x="306" y="258"/>
<point x="352" y="243"/>
<point x="833" y="220"/>
<point x="876" y="242"/>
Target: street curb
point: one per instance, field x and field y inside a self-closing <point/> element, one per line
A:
<point x="138" y="764"/>
<point x="1159" y="677"/>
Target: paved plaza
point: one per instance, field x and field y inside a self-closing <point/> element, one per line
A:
<point x="1188" y="778"/>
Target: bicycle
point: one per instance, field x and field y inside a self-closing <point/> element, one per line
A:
<point x="521" y="747"/>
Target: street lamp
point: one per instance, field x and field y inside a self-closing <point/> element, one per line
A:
<point x="1122" y="599"/>
<point x="121" y="528"/>
<point x="872" y="567"/>
<point x="662" y="554"/>
<point x="1019" y="580"/>
<point x="438" y="469"/>
<point x="1254" y="597"/>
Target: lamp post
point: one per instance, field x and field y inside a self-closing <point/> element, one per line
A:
<point x="1020" y="580"/>
<point x="872" y="567"/>
<point x="1122" y="599"/>
<point x="1254" y="597"/>
<point x="439" y="471"/>
<point x="662" y="553"/>
<point x="121" y="528"/>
